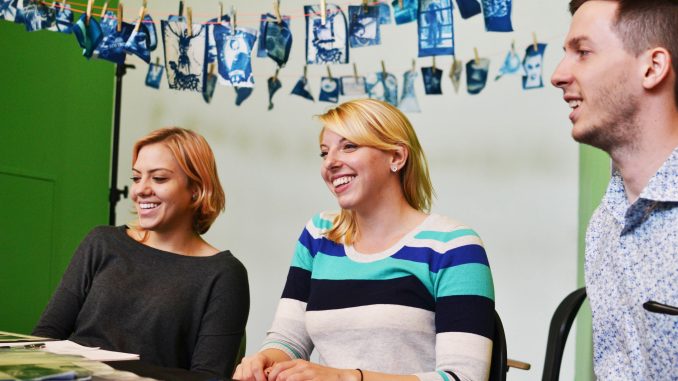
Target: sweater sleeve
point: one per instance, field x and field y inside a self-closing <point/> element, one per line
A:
<point x="464" y="318"/>
<point x="223" y="324"/>
<point x="59" y="317"/>
<point x="288" y="332"/>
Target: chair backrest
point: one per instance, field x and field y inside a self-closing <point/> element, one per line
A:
<point x="498" y="365"/>
<point x="561" y="322"/>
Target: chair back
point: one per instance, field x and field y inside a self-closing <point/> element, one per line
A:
<point x="498" y="364"/>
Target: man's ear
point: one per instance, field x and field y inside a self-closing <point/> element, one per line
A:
<point x="657" y="67"/>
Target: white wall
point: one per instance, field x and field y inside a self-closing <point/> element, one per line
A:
<point x="501" y="161"/>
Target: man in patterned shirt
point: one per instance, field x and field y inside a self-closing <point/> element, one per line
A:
<point x="619" y="77"/>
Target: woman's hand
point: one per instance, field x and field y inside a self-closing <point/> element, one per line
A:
<point x="251" y="368"/>
<point x="301" y="370"/>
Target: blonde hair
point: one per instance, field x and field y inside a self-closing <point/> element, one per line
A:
<point x="379" y="125"/>
<point x="196" y="159"/>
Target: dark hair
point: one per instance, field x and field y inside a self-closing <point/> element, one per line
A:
<point x="645" y="24"/>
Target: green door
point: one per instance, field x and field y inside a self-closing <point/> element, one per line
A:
<point x="56" y="112"/>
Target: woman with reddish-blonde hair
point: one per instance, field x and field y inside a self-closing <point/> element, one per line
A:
<point x="156" y="287"/>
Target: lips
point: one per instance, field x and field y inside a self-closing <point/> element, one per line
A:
<point x="342" y="180"/>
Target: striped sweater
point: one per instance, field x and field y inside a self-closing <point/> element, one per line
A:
<point x="424" y="306"/>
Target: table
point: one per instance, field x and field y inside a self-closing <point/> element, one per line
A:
<point x="146" y="369"/>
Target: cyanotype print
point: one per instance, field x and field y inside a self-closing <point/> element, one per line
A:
<point x="137" y="43"/>
<point x="408" y="100"/>
<point x="455" y="73"/>
<point x="209" y="86"/>
<point x="384" y="13"/>
<point x="432" y="81"/>
<point x="184" y="55"/>
<point x="211" y="52"/>
<point x="363" y="26"/>
<point x="234" y="52"/>
<point x="241" y="94"/>
<point x="436" y="29"/>
<point x="511" y="65"/>
<point x="64" y="17"/>
<point x="278" y="41"/>
<point x="273" y="86"/>
<point x="89" y="36"/>
<point x="329" y="90"/>
<point x="384" y="87"/>
<point x="38" y="16"/>
<point x="476" y="75"/>
<point x="353" y="86"/>
<point x="407" y="13"/>
<point x="7" y="10"/>
<point x="151" y="34"/>
<point x="112" y="46"/>
<point x="497" y="15"/>
<point x="468" y="8"/>
<point x="154" y="75"/>
<point x="326" y="43"/>
<point x="532" y="66"/>
<point x="302" y="89"/>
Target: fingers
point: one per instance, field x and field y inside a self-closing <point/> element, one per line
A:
<point x="282" y="370"/>
<point x="251" y="369"/>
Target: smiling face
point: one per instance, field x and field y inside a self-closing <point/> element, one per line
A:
<point x="600" y="80"/>
<point x="160" y="191"/>
<point x="358" y="176"/>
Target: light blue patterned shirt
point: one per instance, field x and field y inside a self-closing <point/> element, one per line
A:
<point x="632" y="257"/>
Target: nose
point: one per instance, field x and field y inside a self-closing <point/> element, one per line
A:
<point x="562" y="76"/>
<point x="142" y="188"/>
<point x="331" y="160"/>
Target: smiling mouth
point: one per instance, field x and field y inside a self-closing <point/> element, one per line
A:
<point x="342" y="180"/>
<point x="574" y="104"/>
<point x="148" y="205"/>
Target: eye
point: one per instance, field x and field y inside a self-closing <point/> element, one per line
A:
<point x="135" y="179"/>
<point x="159" y="179"/>
<point x="583" y="53"/>
<point x="323" y="154"/>
<point x="350" y="147"/>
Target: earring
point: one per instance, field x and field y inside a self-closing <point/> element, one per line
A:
<point x="394" y="168"/>
<point x="194" y="196"/>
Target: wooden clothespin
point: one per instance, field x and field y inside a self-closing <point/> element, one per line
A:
<point x="119" y="15"/>
<point x="365" y="7"/>
<point x="89" y="11"/>
<point x="400" y="4"/>
<point x="434" y="63"/>
<point x="355" y="72"/>
<point x="276" y="11"/>
<point x="455" y="62"/>
<point x="476" y="56"/>
<point x="329" y="72"/>
<point x="323" y="12"/>
<point x="414" y="64"/>
<point x="211" y="70"/>
<point x="275" y="76"/>
<point x="181" y="8"/>
<point x="103" y="10"/>
<point x="513" y="46"/>
<point x="234" y="23"/>
<point x="383" y="70"/>
<point x="142" y="12"/>
<point x="189" y="20"/>
<point x="305" y="70"/>
<point x="221" y="12"/>
<point x="535" y="44"/>
<point x="157" y="61"/>
<point x="144" y="4"/>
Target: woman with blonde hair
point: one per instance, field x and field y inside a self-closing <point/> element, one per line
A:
<point x="157" y="288"/>
<point x="382" y="290"/>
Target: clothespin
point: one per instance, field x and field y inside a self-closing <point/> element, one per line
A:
<point x="189" y="20"/>
<point x="275" y="76"/>
<point x="400" y="4"/>
<point x="434" y="62"/>
<point x="234" y="23"/>
<point x="323" y="12"/>
<point x="365" y="8"/>
<point x="181" y="8"/>
<point x="305" y="70"/>
<point x="535" y="44"/>
<point x="89" y="11"/>
<point x="513" y="46"/>
<point x="211" y="70"/>
<point x="144" y="4"/>
<point x="454" y="66"/>
<point x="104" y="9"/>
<point x="329" y="72"/>
<point x="414" y="64"/>
<point x="119" y="15"/>
<point x="157" y="61"/>
<point x="355" y="72"/>
<point x="276" y="11"/>
<point x="221" y="12"/>
<point x="475" y="54"/>
<point x="142" y="12"/>
<point x="383" y="70"/>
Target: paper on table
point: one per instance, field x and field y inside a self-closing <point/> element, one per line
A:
<point x="66" y="347"/>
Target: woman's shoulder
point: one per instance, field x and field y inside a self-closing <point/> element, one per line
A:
<point x="447" y="231"/>
<point x="321" y="222"/>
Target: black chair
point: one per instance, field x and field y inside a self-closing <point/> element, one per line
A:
<point x="561" y="322"/>
<point x="500" y="364"/>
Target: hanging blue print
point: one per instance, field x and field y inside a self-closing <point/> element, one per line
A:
<point x="408" y="100"/>
<point x="407" y="13"/>
<point x="273" y="86"/>
<point x="261" y="46"/>
<point x="476" y="75"/>
<point x="497" y="15"/>
<point x="234" y="52"/>
<point x="38" y="16"/>
<point x="384" y="13"/>
<point x="329" y="90"/>
<point x="384" y="87"/>
<point x="532" y="66"/>
<point x="436" y="30"/>
<point x="241" y="94"/>
<point x="89" y="35"/>
<point x="139" y="41"/>
<point x="326" y="43"/>
<point x="211" y="53"/>
<point x="64" y="18"/>
<point x="432" y="81"/>
<point x="511" y="64"/>
<point x="18" y="6"/>
<point x="278" y="40"/>
<point x="154" y="75"/>
<point x="151" y="34"/>
<point x="363" y="26"/>
<point x="112" y="46"/>
<point x="209" y="86"/>
<point x="353" y="86"/>
<point x="455" y="73"/>
<point x="301" y="89"/>
<point x="7" y="10"/>
<point x="184" y="55"/>
<point x="468" y="8"/>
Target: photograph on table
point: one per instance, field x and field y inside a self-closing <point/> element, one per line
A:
<point x="405" y="14"/>
<point x="363" y="26"/>
<point x="408" y="99"/>
<point x="112" y="46"/>
<point x="329" y="90"/>
<point x="435" y="28"/>
<point x="234" y="52"/>
<point x="184" y="55"/>
<point x="497" y="15"/>
<point x="326" y="43"/>
<point x="383" y="86"/>
<point x="476" y="75"/>
<point x="353" y="86"/>
<point x="154" y="75"/>
<point x="532" y="66"/>
<point x="302" y="89"/>
<point x="432" y="81"/>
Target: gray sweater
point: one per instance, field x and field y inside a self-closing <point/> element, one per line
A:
<point x="173" y="310"/>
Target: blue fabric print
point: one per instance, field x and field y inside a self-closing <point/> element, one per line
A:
<point x="273" y="86"/>
<point x="408" y="100"/>
<point x="151" y="33"/>
<point x="326" y="43"/>
<point x="407" y="13"/>
<point x="278" y="41"/>
<point x="154" y="75"/>
<point x="261" y="46"/>
<point x="89" y="36"/>
<point x="384" y="87"/>
<point x="112" y="46"/>
<point x="435" y="28"/>
<point x="241" y="94"/>
<point x="184" y="55"/>
<point x="511" y="64"/>
<point x="7" y="10"/>
<point x="329" y="90"/>
<point x="18" y="6"/>
<point x="211" y="53"/>
<point x="353" y="86"/>
<point x="384" y="13"/>
<point x="468" y="8"/>
<point x="532" y="67"/>
<point x="476" y="75"/>
<point x="38" y="16"/>
<point x="363" y="26"/>
<point x="64" y="18"/>
<point x="137" y="44"/>
<point x="497" y="15"/>
<point x="234" y="53"/>
<point x="301" y="89"/>
<point x="432" y="80"/>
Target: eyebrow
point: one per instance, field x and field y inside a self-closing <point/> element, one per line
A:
<point x="575" y="42"/>
<point x="154" y="170"/>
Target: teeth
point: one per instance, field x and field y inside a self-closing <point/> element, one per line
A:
<point x="342" y="180"/>
<point x="148" y="205"/>
<point x="574" y="103"/>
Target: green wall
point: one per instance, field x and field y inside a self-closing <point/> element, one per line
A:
<point x="55" y="137"/>
<point x="594" y="174"/>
